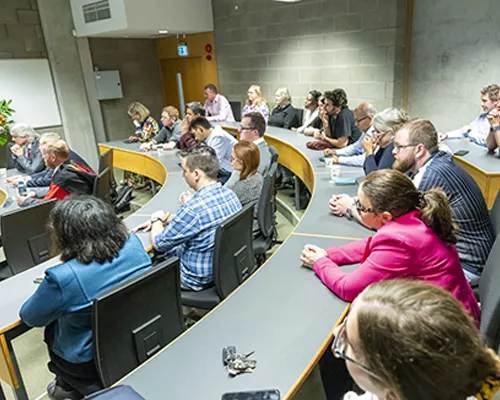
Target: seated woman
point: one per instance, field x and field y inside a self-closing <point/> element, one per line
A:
<point x="96" y="254"/>
<point x="193" y="110"/>
<point x="146" y="126"/>
<point x="256" y="102"/>
<point x="284" y="115"/>
<point x="170" y="134"/>
<point x="415" y="239"/>
<point x="245" y="159"/>
<point x="312" y="109"/>
<point x="379" y="148"/>
<point x="409" y="340"/>
<point x="25" y="154"/>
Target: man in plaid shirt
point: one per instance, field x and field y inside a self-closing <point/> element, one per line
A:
<point x="190" y="233"/>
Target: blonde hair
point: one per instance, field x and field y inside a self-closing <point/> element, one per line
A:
<point x="260" y="97"/>
<point x="49" y="137"/>
<point x="421" y="342"/>
<point x="172" y="111"/>
<point x="138" y="108"/>
<point x="287" y="98"/>
<point x="24" y="130"/>
<point x="57" y="147"/>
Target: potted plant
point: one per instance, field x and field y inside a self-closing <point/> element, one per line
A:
<point x="5" y="120"/>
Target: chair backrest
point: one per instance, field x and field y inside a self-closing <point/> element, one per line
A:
<point x="233" y="251"/>
<point x="24" y="236"/>
<point x="495" y="214"/>
<point x="236" y="107"/>
<point x="102" y="185"/>
<point x="274" y="154"/>
<point x="300" y="114"/>
<point x="490" y="297"/>
<point x="134" y="320"/>
<point x="106" y="161"/>
<point x="265" y="207"/>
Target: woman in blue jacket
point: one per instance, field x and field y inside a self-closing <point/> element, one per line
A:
<point x="96" y="253"/>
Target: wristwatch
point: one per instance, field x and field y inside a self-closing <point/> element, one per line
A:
<point x="348" y="211"/>
<point x="155" y="219"/>
<point x="495" y="128"/>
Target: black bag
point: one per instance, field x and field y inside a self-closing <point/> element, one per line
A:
<point x="123" y="198"/>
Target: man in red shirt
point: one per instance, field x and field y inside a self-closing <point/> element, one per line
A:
<point x="70" y="177"/>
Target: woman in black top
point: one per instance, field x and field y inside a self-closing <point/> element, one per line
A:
<point x="379" y="148"/>
<point x="284" y="114"/>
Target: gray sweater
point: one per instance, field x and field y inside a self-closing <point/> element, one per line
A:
<point x="248" y="192"/>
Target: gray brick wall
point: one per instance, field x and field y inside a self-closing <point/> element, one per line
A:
<point x="137" y="62"/>
<point x="314" y="44"/>
<point x="20" y="30"/>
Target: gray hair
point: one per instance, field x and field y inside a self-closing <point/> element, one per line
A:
<point x="196" y="108"/>
<point x="390" y="119"/>
<point x="368" y="109"/>
<point x="24" y="130"/>
<point x="49" y="137"/>
<point x="285" y="94"/>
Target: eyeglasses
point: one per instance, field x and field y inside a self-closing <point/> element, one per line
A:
<point x="246" y="128"/>
<point x="398" y="147"/>
<point x="361" y="208"/>
<point x="362" y="119"/>
<point x="233" y="159"/>
<point x="339" y="348"/>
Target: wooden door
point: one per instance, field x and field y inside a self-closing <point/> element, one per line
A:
<point x="192" y="80"/>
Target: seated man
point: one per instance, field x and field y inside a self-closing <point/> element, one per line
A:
<point x="339" y="127"/>
<point x="216" y="105"/>
<point x="416" y="153"/>
<point x="218" y="139"/>
<point x="478" y="130"/>
<point x="354" y="155"/>
<point x="190" y="233"/>
<point x="252" y="128"/>
<point x="43" y="178"/>
<point x="25" y="153"/>
<point x="170" y="134"/>
<point x="69" y="177"/>
<point x="193" y="110"/>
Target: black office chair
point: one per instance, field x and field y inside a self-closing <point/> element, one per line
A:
<point x="233" y="260"/>
<point x="236" y="107"/>
<point x="102" y="186"/>
<point x="25" y="239"/>
<point x="106" y="161"/>
<point x="274" y="155"/>
<point x="133" y="321"/>
<point x="265" y="217"/>
<point x="495" y="214"/>
<point x="300" y="114"/>
<point x="490" y="297"/>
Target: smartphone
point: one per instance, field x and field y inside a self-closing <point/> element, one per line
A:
<point x="461" y="153"/>
<point x="272" y="394"/>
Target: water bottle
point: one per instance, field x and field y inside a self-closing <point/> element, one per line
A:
<point x="21" y="188"/>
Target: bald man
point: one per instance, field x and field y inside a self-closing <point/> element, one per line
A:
<point x="354" y="155"/>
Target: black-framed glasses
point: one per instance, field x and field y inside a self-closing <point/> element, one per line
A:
<point x="246" y="128"/>
<point x="361" y="208"/>
<point x="398" y="147"/>
<point x="339" y="348"/>
<point x="362" y="119"/>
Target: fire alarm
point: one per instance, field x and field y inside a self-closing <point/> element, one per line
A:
<point x="208" y="48"/>
<point x="208" y="57"/>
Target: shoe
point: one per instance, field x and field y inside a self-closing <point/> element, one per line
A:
<point x="58" y="393"/>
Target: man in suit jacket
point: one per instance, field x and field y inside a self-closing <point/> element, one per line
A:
<point x="252" y="128"/>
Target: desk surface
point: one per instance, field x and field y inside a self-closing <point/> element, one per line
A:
<point x="283" y="312"/>
<point x="478" y="156"/>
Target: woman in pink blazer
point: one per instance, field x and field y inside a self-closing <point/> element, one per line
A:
<point x="415" y="239"/>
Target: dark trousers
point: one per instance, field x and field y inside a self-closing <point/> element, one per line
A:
<point x="334" y="375"/>
<point x="223" y="177"/>
<point x="81" y="377"/>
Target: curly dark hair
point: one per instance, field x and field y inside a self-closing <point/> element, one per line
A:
<point x="338" y="97"/>
<point x="86" y="229"/>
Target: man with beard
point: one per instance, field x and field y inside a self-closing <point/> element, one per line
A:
<point x="416" y="153"/>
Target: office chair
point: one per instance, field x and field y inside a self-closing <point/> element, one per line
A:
<point x="106" y="161"/>
<point x="25" y="239"/>
<point x="134" y="320"/>
<point x="490" y="297"/>
<point x="102" y="186"/>
<point x="236" y="107"/>
<point x="495" y="214"/>
<point x="233" y="260"/>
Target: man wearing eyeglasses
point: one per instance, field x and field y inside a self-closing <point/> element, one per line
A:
<point x="354" y="155"/>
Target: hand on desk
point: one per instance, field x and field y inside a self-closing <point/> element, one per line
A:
<point x="14" y="180"/>
<point x="339" y="203"/>
<point x="146" y="146"/>
<point x="311" y="254"/>
<point x="22" y="199"/>
<point x="319" y="135"/>
<point x="133" y="138"/>
<point x="161" y="216"/>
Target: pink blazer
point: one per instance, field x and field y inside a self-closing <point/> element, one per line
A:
<point x="402" y="248"/>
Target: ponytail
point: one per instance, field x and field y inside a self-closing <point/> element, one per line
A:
<point x="436" y="214"/>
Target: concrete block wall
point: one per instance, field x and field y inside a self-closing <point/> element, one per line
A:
<point x="314" y="44"/>
<point x="137" y="61"/>
<point x="455" y="54"/>
<point x="20" y="30"/>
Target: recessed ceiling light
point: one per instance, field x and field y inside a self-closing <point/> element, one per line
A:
<point x="287" y="1"/>
<point x="162" y="31"/>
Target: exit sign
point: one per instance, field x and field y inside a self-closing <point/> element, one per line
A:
<point x="182" y="50"/>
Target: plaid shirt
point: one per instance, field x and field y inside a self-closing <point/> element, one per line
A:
<point x="191" y="234"/>
<point x="468" y="209"/>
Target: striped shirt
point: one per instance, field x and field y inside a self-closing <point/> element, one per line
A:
<point x="191" y="234"/>
<point x="468" y="209"/>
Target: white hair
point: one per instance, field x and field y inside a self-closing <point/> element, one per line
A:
<point x="24" y="130"/>
<point x="389" y="119"/>
<point x="285" y="94"/>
